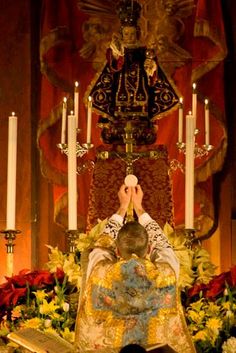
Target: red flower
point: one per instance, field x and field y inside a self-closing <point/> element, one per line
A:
<point x="41" y="278"/>
<point x="24" y="278"/>
<point x="196" y="289"/>
<point x="14" y="290"/>
<point x="216" y="286"/>
<point x="16" y="286"/>
<point x="60" y="274"/>
<point x="33" y="279"/>
<point x="11" y="296"/>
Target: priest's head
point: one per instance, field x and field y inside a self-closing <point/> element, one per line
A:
<point x="132" y="239"/>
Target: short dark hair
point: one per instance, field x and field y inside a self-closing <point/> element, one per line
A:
<point x="133" y="348"/>
<point x="132" y="239"/>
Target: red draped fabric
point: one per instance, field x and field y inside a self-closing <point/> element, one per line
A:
<point x="61" y="66"/>
<point x="205" y="40"/>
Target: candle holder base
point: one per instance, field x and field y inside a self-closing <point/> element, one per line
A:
<point x="180" y="145"/>
<point x="72" y="237"/>
<point x="10" y="236"/>
<point x="208" y="147"/>
<point x="190" y="237"/>
<point x="62" y="147"/>
<point x="199" y="151"/>
<point x="80" y="150"/>
<point x="87" y="146"/>
<point x="87" y="166"/>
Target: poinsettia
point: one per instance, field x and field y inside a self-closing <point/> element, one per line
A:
<point x="15" y="289"/>
<point x="216" y="286"/>
<point x="41" y="299"/>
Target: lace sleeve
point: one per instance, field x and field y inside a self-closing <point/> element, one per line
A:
<point x="157" y="239"/>
<point x="160" y="249"/>
<point x="113" y="226"/>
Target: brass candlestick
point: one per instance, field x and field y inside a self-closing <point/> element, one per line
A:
<point x="190" y="237"/>
<point x="80" y="150"/>
<point x="10" y="236"/>
<point x="72" y="237"/>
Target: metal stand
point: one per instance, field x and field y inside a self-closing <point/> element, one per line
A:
<point x="72" y="236"/>
<point x="10" y="236"/>
<point x="190" y="238"/>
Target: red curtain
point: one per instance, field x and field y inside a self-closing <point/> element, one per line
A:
<point x="205" y="40"/>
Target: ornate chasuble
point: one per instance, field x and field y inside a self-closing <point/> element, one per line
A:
<point x="131" y="302"/>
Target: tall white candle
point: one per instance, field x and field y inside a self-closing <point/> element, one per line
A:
<point x="72" y="174"/>
<point x="76" y="103"/>
<point x="63" y="122"/>
<point x="10" y="264"/>
<point x="180" y="125"/>
<point x="207" y="124"/>
<point x="11" y="172"/>
<point x="189" y="173"/>
<point x="194" y="105"/>
<point x="89" y="120"/>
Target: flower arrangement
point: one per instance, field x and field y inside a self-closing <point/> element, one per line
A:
<point x="47" y="299"/>
<point x="42" y="299"/>
<point x="209" y="300"/>
<point x="211" y="313"/>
